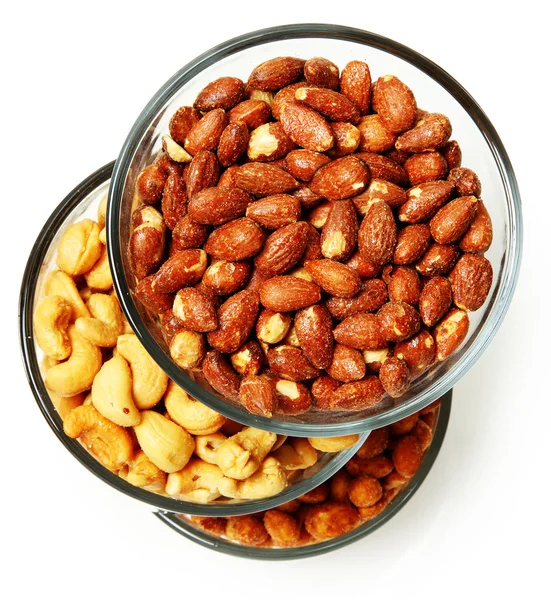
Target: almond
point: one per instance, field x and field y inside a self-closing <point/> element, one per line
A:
<point x="394" y="376"/>
<point x="276" y="73"/>
<point x="236" y="318"/>
<point x="269" y="142"/>
<point x="187" y="348"/>
<point x="480" y="234"/>
<point x="466" y="182"/>
<point x="322" y="389"/>
<point x="307" y="198"/>
<point x="236" y="240"/>
<point x="150" y="184"/>
<point x="188" y="234"/>
<point x="284" y="97"/>
<point x="383" y="167"/>
<point x="286" y="293"/>
<point x="438" y="260"/>
<point x="224" y="92"/>
<point x="340" y="231"/>
<point x="358" y="395"/>
<point x="170" y="326"/>
<point x="195" y="310"/>
<point x="218" y="205"/>
<point x="435" y="300"/>
<point x="258" y="396"/>
<point x="451" y="151"/>
<point x="318" y="215"/>
<point x="403" y="284"/>
<point x="335" y="278"/>
<point x="183" y="269"/>
<point x="361" y="331"/>
<point x="347" y="139"/>
<point x="205" y="134"/>
<point x="452" y="220"/>
<point x="374" y="136"/>
<point x="174" y="200"/>
<point x="248" y="359"/>
<point x="356" y="84"/>
<point x="289" y="362"/>
<point x="225" y="277"/>
<point x="372" y="296"/>
<point x="182" y="122"/>
<point x="321" y="72"/>
<point x="273" y="212"/>
<point x="413" y="242"/>
<point x="302" y="164"/>
<point x="424" y="200"/>
<point x="272" y="327"/>
<point x="398" y="156"/>
<point x="313" y="246"/>
<point x="220" y="375"/>
<point x="282" y="249"/>
<point x="293" y="398"/>
<point x="147" y="242"/>
<point x="229" y="177"/>
<point x="398" y="321"/>
<point x="395" y="103"/>
<point x="331" y="104"/>
<point x="154" y="301"/>
<point x="264" y="180"/>
<point x="374" y="359"/>
<point x="365" y="268"/>
<point x="203" y="172"/>
<point x="429" y="133"/>
<point x="306" y="127"/>
<point x="256" y="279"/>
<point x="379" y="189"/>
<point x="253" y="113"/>
<point x="340" y="179"/>
<point x="314" y="331"/>
<point x="426" y="166"/>
<point x="378" y="233"/>
<point x="471" y="280"/>
<point x="347" y="364"/>
<point x="450" y="333"/>
<point x="233" y="143"/>
<point x="418" y="352"/>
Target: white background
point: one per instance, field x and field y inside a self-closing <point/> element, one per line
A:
<point x="75" y="76"/>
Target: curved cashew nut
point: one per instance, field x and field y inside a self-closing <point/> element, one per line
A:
<point x="106" y="323"/>
<point x="242" y="454"/>
<point x="102" y="211"/>
<point x="99" y="276"/>
<point x="112" y="393"/>
<point x="296" y="454"/>
<point x="165" y="443"/>
<point x="65" y="404"/>
<point x="197" y="481"/>
<point x="193" y="416"/>
<point x="79" y="247"/>
<point x="142" y="473"/>
<point x="51" y="320"/>
<point x="206" y="446"/>
<point x="334" y="444"/>
<point x="269" y="480"/>
<point x="149" y="381"/>
<point x="59" y="283"/>
<point x="108" y="442"/>
<point x="77" y="373"/>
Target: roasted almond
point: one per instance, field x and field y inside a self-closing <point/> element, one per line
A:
<point x="171" y="325"/>
<point x="435" y="300"/>
<point x="340" y="179"/>
<point x="322" y="388"/>
<point x="413" y="242"/>
<point x="263" y="179"/>
<point x="218" y="205"/>
<point x="306" y="127"/>
<point x="272" y="327"/>
<point x="205" y="134"/>
<point x="233" y="143"/>
<point x="374" y="136"/>
<point x="395" y="377"/>
<point x="356" y="84"/>
<point x="183" y="269"/>
<point x="378" y="189"/>
<point x="307" y="198"/>
<point x="347" y="139"/>
<point x="302" y="164"/>
<point x="220" y="375"/>
<point x="195" y="310"/>
<point x="450" y="333"/>
<point x="256" y="279"/>
<point x="154" y="301"/>
<point x="282" y="249"/>
<point x="224" y="92"/>
<point x="188" y="234"/>
<point x="313" y="246"/>
<point x="290" y="362"/>
<point x="365" y="268"/>
<point x="426" y="166"/>
<point x="450" y="223"/>
<point x="471" y="280"/>
<point x="398" y="321"/>
<point x="404" y="284"/>
<point x="358" y="395"/>
<point x="236" y="240"/>
<point x="269" y="142"/>
<point x="395" y="103"/>
<point x="258" y="396"/>
<point x="372" y="296"/>
<point x="253" y="113"/>
<point x="378" y="233"/>
<point x="203" y="172"/>
<point x="424" y="200"/>
<point x="321" y="72"/>
<point x="340" y="231"/>
<point x="150" y="184"/>
<point x="331" y="104"/>
<point x="276" y="73"/>
<point x="347" y="364"/>
<point x="418" y="352"/>
<point x="287" y="293"/>
<point x="438" y="260"/>
<point x="224" y="277"/>
<point x="174" y="200"/>
<point x="284" y="97"/>
<point x="273" y="212"/>
<point x="383" y="167"/>
<point x="314" y="331"/>
<point x="229" y="177"/>
<point x="374" y="359"/>
<point x="466" y="182"/>
<point x="293" y="398"/>
<point x="248" y="359"/>
<point x="451" y="151"/>
<point x="429" y="133"/>
<point x="147" y="242"/>
<point x="318" y="215"/>
<point x="361" y="331"/>
<point x="182" y="122"/>
<point x="335" y="278"/>
<point x="480" y="233"/>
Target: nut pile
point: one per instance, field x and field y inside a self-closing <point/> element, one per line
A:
<point x="309" y="240"/>
<point x="115" y="399"/>
<point x="360" y="491"/>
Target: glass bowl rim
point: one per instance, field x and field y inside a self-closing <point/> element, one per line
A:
<point x="36" y="382"/>
<point x="513" y="214"/>
<point x="224" y="546"/>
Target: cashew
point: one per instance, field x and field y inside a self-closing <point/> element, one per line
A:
<point x="102" y="211"/>
<point x="103" y="236"/>
<point x="88" y="400"/>
<point x="142" y="473"/>
<point x="106" y="323"/>
<point x="165" y="443"/>
<point x="334" y="444"/>
<point x="64" y="405"/>
<point x="85" y="293"/>
<point x="149" y="381"/>
<point x="99" y="276"/>
<point x="193" y="416"/>
<point x="242" y="454"/>
<point x="297" y="454"/>
<point x="51" y="320"/>
<point x="112" y="393"/>
<point x="59" y="283"/>
<point x="47" y="363"/>
<point x="197" y="481"/>
<point x="108" y="442"/>
<point x="206" y="446"/>
<point x="269" y="480"/>
<point x="77" y="373"/>
<point x="79" y="247"/>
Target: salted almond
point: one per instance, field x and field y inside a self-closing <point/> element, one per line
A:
<point x="314" y="331"/>
<point x="435" y="300"/>
<point x="306" y="127"/>
<point x="340" y="231"/>
<point x="236" y="240"/>
<point x="331" y="104"/>
<point x="424" y="200"/>
<point x="282" y="249"/>
<point x="302" y="164"/>
<point x="429" y="133"/>
<point x="218" y="205"/>
<point x="205" y="134"/>
<point x="273" y="212"/>
<point x="340" y="179"/>
<point x="233" y="143"/>
<point x="356" y="84"/>
<point x="374" y="136"/>
<point x="379" y="189"/>
<point x="358" y="395"/>
<point x="287" y="293"/>
<point x="480" y="233"/>
<point x="395" y="103"/>
<point x="320" y="72"/>
<point x="276" y="73"/>
<point x="269" y="142"/>
<point x="378" y="233"/>
<point x="335" y="278"/>
<point x="450" y="333"/>
<point x="253" y="113"/>
<point x="471" y="280"/>
<point x="262" y="179"/>
<point x="451" y="222"/>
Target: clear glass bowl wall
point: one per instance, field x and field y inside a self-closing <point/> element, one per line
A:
<point x="435" y="91"/>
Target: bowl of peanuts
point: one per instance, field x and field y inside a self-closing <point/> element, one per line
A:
<point x="314" y="230"/>
<point x="114" y="408"/>
<point x="366" y="493"/>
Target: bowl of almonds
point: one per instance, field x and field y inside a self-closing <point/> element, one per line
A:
<point x="314" y="230"/>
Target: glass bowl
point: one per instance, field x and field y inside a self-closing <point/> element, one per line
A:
<point x="435" y="90"/>
<point x="81" y="203"/>
<point x="184" y="526"/>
